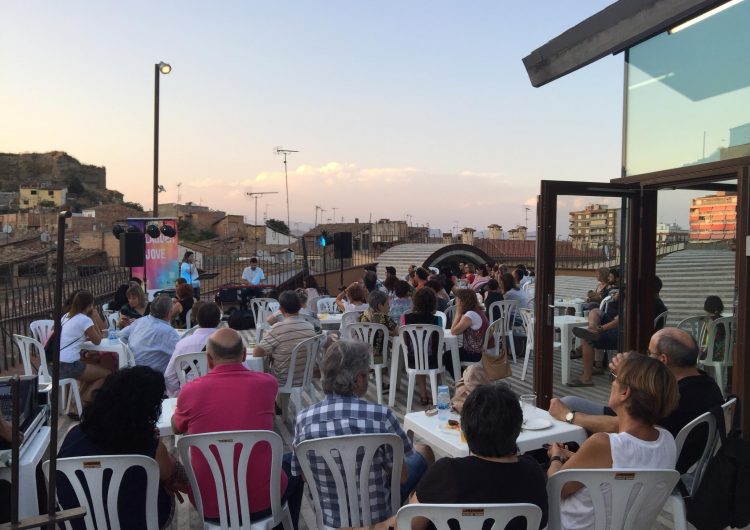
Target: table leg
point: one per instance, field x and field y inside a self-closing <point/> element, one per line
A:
<point x="565" y="353"/>
<point x="452" y="343"/>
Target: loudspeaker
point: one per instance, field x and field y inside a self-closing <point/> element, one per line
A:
<point x="342" y="245"/>
<point x="132" y="249"/>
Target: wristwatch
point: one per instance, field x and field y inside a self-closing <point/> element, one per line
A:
<point x="569" y="417"/>
<point x="557" y="458"/>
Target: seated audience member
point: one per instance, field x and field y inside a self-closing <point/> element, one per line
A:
<point x="441" y="296"/>
<point x="481" y="279"/>
<point x="352" y="298"/>
<point x="121" y="297"/>
<point x="151" y="339"/>
<point x="469" y="273"/>
<point x="371" y="280"/>
<point x="409" y="276"/>
<point x="122" y="421"/>
<point x="603" y="332"/>
<point x="401" y="303"/>
<point x="698" y="393"/>
<point x="312" y="290"/>
<point x="390" y="271"/>
<point x="494" y="473"/>
<point x="714" y="307"/>
<point x="421" y="275"/>
<point x="596" y="295"/>
<point x="232" y="398"/>
<point x="377" y="313"/>
<point x="183" y="303"/>
<point x="278" y="317"/>
<point x="345" y="378"/>
<point x="279" y="341"/>
<point x="643" y="391"/>
<point x="80" y="323"/>
<point x="390" y="285"/>
<point x="209" y="317"/>
<point x="136" y="307"/>
<point x="423" y="312"/>
<point x="471" y="323"/>
<point x="659" y="306"/>
<point x="512" y="291"/>
<point x="491" y="295"/>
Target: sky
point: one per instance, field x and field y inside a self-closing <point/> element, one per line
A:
<point x="397" y="108"/>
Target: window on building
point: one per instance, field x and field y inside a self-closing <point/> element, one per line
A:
<point x="33" y="192"/>
<point x="50" y="193"/>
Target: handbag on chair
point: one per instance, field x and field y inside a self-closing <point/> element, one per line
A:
<point x="496" y="367"/>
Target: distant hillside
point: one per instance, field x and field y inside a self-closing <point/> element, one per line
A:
<point x="87" y="184"/>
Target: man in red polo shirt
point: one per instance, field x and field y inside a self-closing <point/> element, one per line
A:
<point x="231" y="398"/>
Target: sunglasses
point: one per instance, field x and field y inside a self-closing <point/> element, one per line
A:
<point x="612" y="377"/>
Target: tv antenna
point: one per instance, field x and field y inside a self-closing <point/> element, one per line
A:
<point x="281" y="151"/>
<point x="257" y="195"/>
<point x="334" y="213"/>
<point x="527" y="216"/>
<point x="318" y="208"/>
<point x="179" y="192"/>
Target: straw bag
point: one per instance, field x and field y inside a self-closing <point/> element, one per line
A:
<point x="473" y="377"/>
<point x="496" y="367"/>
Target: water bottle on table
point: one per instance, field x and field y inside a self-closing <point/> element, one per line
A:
<point x="112" y="331"/>
<point x="443" y="403"/>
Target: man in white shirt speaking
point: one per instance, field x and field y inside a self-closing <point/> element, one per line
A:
<point x="252" y="276"/>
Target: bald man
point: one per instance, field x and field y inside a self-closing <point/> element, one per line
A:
<point x="232" y="398"/>
<point x="698" y="394"/>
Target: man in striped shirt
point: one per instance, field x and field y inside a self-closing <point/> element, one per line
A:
<point x="280" y="340"/>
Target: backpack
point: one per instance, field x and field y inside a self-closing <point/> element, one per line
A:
<point x="723" y="495"/>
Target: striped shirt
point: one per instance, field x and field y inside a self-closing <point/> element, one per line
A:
<point x="280" y="340"/>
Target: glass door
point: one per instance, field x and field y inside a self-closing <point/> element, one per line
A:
<point x="588" y="260"/>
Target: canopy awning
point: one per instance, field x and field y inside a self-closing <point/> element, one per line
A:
<point x="616" y="28"/>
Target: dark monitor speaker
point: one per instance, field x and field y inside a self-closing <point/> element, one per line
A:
<point x="342" y="245"/>
<point x="132" y="249"/>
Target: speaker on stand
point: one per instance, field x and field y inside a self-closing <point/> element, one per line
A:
<point x="342" y="249"/>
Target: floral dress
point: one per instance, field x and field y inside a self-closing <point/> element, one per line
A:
<point x="376" y="317"/>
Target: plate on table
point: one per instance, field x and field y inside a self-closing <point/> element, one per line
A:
<point x="451" y="429"/>
<point x="322" y="316"/>
<point x="537" y="424"/>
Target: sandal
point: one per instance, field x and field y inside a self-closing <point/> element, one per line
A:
<point x="578" y="383"/>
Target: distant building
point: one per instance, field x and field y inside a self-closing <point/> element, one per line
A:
<point x="517" y="234"/>
<point x="467" y="236"/>
<point x="595" y="226"/>
<point x="713" y="217"/>
<point x="670" y="233"/>
<point x="494" y="231"/>
<point x="31" y="196"/>
<point x="387" y="231"/>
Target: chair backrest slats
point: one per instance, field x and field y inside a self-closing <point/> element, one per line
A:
<point x="342" y="456"/>
<point x="470" y="516"/>
<point x="367" y="332"/>
<point x="708" y="449"/>
<point x="423" y="340"/>
<point x="25" y="346"/>
<point x="190" y="364"/>
<point x="310" y="349"/>
<point x="506" y="309"/>
<point x="42" y="329"/>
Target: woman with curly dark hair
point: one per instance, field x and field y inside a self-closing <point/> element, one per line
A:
<point x="120" y="421"/>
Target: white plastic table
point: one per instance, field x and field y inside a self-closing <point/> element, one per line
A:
<point x="164" y="424"/>
<point x="575" y="303"/>
<point x="108" y="345"/>
<point x="448" y="442"/>
<point x="566" y="323"/>
<point x="330" y="321"/>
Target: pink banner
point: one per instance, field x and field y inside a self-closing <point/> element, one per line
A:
<point x="162" y="262"/>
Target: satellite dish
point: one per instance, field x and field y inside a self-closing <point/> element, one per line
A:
<point x="7" y="229"/>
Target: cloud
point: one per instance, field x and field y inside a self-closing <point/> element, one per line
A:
<point x="482" y="174"/>
<point x="207" y="182"/>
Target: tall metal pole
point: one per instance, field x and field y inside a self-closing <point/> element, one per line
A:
<point x="256" y="195"/>
<point x="282" y="151"/>
<point x="156" y="141"/>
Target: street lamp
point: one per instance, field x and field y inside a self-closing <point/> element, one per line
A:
<point x="159" y="68"/>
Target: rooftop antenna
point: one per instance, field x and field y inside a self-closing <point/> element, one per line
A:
<point x="527" y="216"/>
<point x="257" y="195"/>
<point x="281" y="151"/>
<point x="334" y="213"/>
<point x="179" y="192"/>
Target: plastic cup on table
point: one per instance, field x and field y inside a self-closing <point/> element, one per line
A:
<point x="528" y="406"/>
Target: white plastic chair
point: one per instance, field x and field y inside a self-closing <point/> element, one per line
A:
<point x="349" y="318"/>
<point x="309" y="348"/>
<point x="311" y="319"/>
<point x="90" y="473"/>
<point x="728" y="408"/>
<point x="327" y="305"/>
<point x="42" y="329"/>
<point x="528" y="325"/>
<point x="470" y="516"/>
<point x="112" y="319"/>
<point x="711" y="363"/>
<point x="128" y="353"/>
<point x="420" y="337"/>
<point x="696" y="326"/>
<point x="662" y="318"/>
<point x="604" y="303"/>
<point x="256" y="304"/>
<point x="614" y="495"/>
<point x="450" y="313"/>
<point x="189" y="318"/>
<point x="261" y="326"/>
<point x="189" y="366"/>
<point x="507" y="310"/>
<point x="218" y="449"/>
<point x="352" y="487"/>
<point x="367" y="332"/>
<point x="68" y="387"/>
<point x="443" y="318"/>
<point x="693" y="479"/>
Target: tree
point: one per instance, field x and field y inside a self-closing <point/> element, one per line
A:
<point x="75" y="185"/>
<point x="277" y="226"/>
<point x="133" y="205"/>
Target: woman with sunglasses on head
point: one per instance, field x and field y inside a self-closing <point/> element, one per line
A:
<point x="643" y="391"/>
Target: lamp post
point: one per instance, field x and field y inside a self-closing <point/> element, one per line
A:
<point x="159" y="68"/>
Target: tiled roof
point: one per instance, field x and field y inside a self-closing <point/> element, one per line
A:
<point x="332" y="228"/>
<point x="507" y="248"/>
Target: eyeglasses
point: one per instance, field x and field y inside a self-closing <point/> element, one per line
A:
<point x="612" y="377"/>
